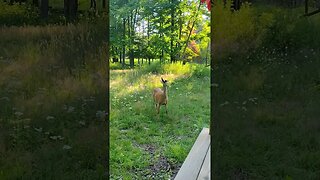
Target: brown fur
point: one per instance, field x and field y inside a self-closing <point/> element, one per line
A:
<point x="160" y="96"/>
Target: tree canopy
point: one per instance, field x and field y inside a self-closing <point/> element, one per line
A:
<point x="159" y="29"/>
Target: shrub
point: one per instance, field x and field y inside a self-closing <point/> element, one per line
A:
<point x="238" y="31"/>
<point x="154" y="68"/>
<point x="16" y="14"/>
<point x="200" y="70"/>
<point x="177" y="68"/>
<point x="189" y="69"/>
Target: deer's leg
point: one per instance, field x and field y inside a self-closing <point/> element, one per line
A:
<point x="166" y="109"/>
<point x="158" y="108"/>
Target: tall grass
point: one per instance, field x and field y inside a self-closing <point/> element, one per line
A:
<point x="266" y="99"/>
<point x="52" y="102"/>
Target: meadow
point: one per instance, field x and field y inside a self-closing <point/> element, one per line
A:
<point x="52" y="99"/>
<point x="142" y="144"/>
<point x="267" y="94"/>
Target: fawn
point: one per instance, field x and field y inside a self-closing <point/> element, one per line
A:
<point x="160" y="96"/>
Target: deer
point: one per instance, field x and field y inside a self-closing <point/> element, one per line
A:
<point x="160" y="96"/>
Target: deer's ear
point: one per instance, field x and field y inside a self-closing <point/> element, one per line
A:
<point x="162" y="80"/>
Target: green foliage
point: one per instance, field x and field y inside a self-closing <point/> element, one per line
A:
<point x="115" y="66"/>
<point x="280" y="29"/>
<point x="153" y="68"/>
<point x="200" y="70"/>
<point x="189" y="69"/>
<point x="25" y="13"/>
<point x="178" y="68"/>
<point x="306" y="32"/>
<point x="293" y="32"/>
<point x="17" y="14"/>
<point x="160" y="28"/>
<point x="240" y="31"/>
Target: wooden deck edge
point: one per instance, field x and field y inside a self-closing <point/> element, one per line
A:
<point x="205" y="168"/>
<point x="191" y="167"/>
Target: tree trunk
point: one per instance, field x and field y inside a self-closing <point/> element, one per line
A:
<point x="306" y="9"/>
<point x="44" y="9"/>
<point x="208" y="50"/>
<point x="148" y="32"/>
<point x="161" y="35"/>
<point x="104" y="4"/>
<point x="73" y="9"/>
<point x="35" y="3"/>
<point x="185" y="48"/>
<point x="124" y="46"/>
<point x="66" y="9"/>
<point x="70" y="9"/>
<point x="131" y="34"/>
<point x="133" y="24"/>
<point x="180" y="23"/>
<point x="236" y="5"/>
<point x="162" y="56"/>
<point x="93" y="5"/>
<point x="172" y="32"/>
<point x="178" y="45"/>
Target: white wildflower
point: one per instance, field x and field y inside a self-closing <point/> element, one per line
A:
<point x="38" y="129"/>
<point x="100" y="114"/>
<point x="50" y="118"/>
<point x="18" y="113"/>
<point x="70" y="109"/>
<point x="66" y="147"/>
<point x="225" y="103"/>
<point x="5" y="98"/>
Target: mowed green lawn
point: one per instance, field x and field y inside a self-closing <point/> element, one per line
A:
<point x="144" y="145"/>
